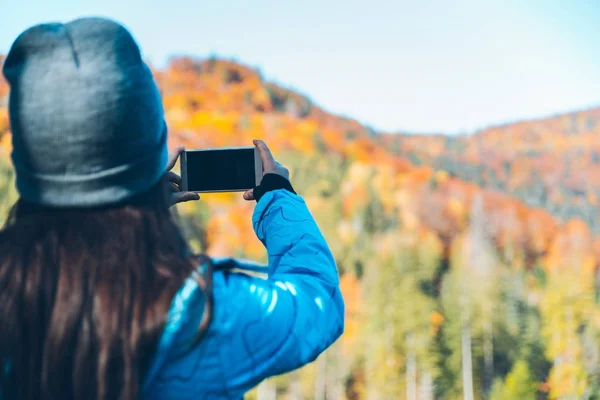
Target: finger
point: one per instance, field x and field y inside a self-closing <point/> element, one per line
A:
<point x="281" y="166"/>
<point x="174" y="187"/>
<point x="182" y="197"/>
<point x="174" y="156"/>
<point x="283" y="171"/>
<point x="173" y="177"/>
<point x="249" y="195"/>
<point x="265" y="155"/>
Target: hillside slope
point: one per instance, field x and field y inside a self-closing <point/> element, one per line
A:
<point x="553" y="163"/>
<point x="216" y="102"/>
<point x="429" y="263"/>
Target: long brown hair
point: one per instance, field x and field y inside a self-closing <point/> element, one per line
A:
<point x="84" y="295"/>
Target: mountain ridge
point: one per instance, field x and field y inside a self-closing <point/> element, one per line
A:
<point x="253" y="108"/>
<point x="522" y="159"/>
<point x="215" y="102"/>
<point x="552" y="163"/>
<point x="498" y="125"/>
<point x="411" y="238"/>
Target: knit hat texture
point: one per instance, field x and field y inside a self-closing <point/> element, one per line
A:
<point x="86" y="115"/>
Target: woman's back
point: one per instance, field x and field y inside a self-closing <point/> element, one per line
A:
<point x="100" y="297"/>
<point x="84" y="297"/>
<point x="259" y="327"/>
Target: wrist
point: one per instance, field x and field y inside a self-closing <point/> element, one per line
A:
<point x="272" y="182"/>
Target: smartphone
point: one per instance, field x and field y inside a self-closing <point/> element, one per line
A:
<point x="229" y="169"/>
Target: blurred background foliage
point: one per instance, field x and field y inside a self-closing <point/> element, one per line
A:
<point x="469" y="264"/>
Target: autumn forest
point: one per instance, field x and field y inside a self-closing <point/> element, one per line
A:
<point x="470" y="265"/>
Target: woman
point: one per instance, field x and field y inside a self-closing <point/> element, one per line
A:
<point x="100" y="298"/>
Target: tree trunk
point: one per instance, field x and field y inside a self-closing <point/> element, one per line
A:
<point x="370" y="367"/>
<point x="295" y="389"/>
<point x="334" y="382"/>
<point x="411" y="376"/>
<point x="320" y="378"/>
<point x="571" y="356"/>
<point x="488" y="355"/>
<point x="266" y="391"/>
<point x="426" y="386"/>
<point x="467" y="368"/>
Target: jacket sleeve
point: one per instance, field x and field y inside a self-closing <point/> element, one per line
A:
<point x="260" y="327"/>
<point x="298" y="312"/>
<point x="301" y="310"/>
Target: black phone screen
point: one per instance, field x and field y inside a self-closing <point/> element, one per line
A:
<point x="221" y="170"/>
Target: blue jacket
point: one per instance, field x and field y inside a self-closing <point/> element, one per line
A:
<point x="260" y="327"/>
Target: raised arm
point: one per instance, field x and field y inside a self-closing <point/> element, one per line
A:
<point x="289" y="319"/>
<point x="260" y="327"/>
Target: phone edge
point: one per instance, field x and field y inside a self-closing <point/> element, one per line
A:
<point x="220" y="191"/>
<point x="258" y="167"/>
<point x="183" y="171"/>
<point x="223" y="148"/>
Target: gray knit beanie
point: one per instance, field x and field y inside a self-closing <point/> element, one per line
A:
<point x="86" y="115"/>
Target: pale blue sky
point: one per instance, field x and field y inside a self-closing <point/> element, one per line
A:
<point x="443" y="66"/>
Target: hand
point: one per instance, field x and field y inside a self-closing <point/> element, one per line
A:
<point x="270" y="166"/>
<point x="177" y="196"/>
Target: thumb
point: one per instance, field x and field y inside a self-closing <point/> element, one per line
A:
<point x="249" y="195"/>
<point x="265" y="155"/>
<point x="182" y="197"/>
